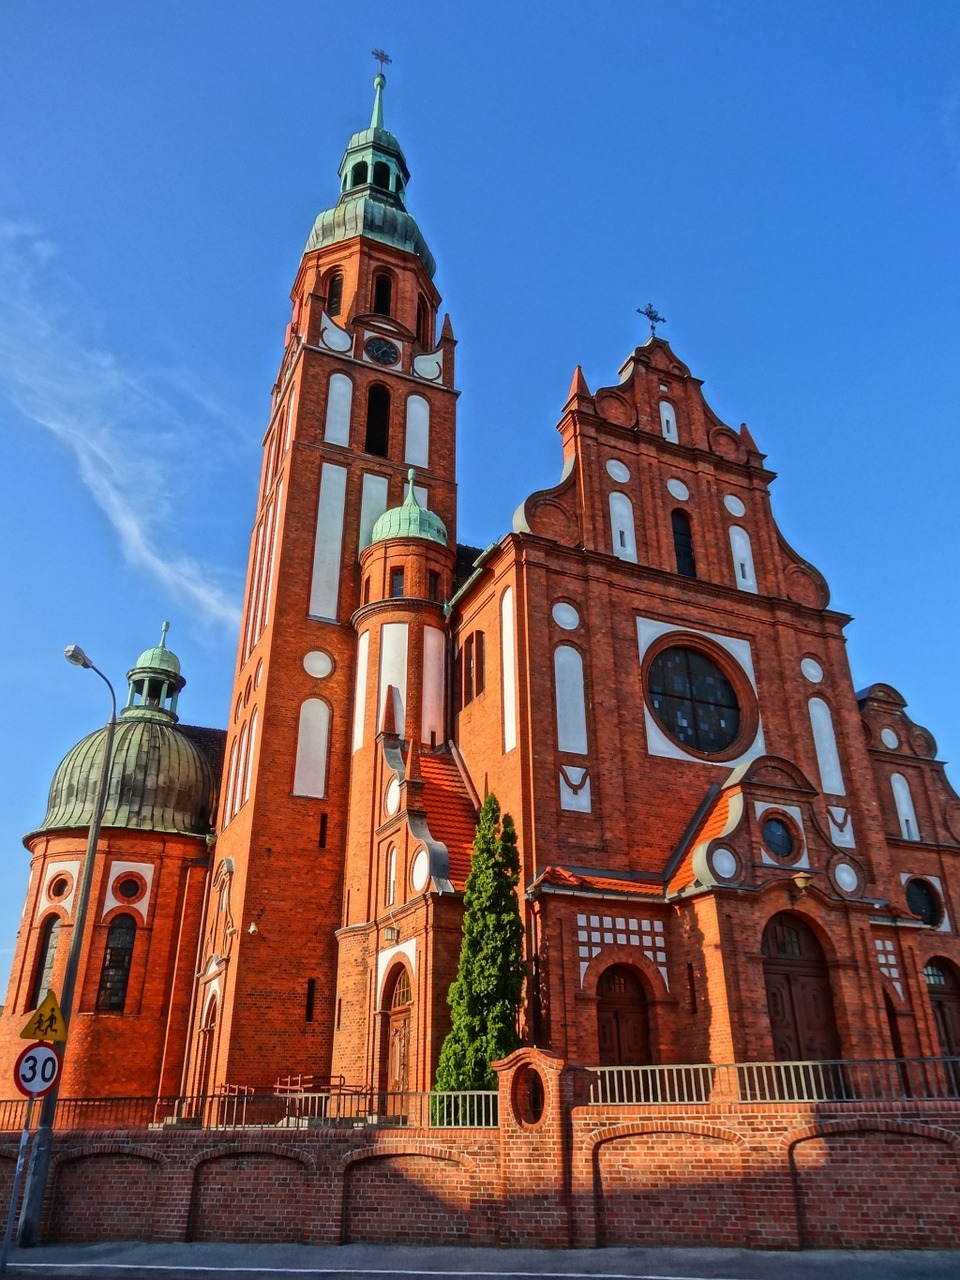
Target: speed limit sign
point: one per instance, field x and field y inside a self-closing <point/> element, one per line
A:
<point x="37" y="1069"/>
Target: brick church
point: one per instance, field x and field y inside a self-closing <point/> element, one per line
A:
<point x="728" y="854"/>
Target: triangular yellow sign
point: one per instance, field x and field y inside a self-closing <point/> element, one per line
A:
<point x="46" y="1023"/>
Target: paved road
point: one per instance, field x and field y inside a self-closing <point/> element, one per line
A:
<point x="375" y="1262"/>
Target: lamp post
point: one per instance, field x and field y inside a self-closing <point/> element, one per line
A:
<point x="36" y="1183"/>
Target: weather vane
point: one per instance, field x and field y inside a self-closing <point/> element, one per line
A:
<point x="653" y="315"/>
<point x="383" y="58"/>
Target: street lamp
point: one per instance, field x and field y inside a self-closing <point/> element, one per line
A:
<point x="36" y="1183"/>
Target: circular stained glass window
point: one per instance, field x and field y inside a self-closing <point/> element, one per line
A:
<point x="129" y="888"/>
<point x="778" y="837"/>
<point x="692" y="700"/>
<point x="924" y="901"/>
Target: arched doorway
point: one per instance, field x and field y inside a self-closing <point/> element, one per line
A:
<point x="943" y="988"/>
<point x="623" y="1022"/>
<point x="799" y="997"/>
<point x="395" y="1067"/>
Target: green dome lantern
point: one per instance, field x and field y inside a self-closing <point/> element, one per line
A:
<point x="410" y="520"/>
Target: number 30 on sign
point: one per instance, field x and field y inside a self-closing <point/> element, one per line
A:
<point x="37" y="1069"/>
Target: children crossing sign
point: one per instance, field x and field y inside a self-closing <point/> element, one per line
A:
<point x="47" y="1023"/>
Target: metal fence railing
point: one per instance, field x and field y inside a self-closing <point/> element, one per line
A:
<point x="292" y="1104"/>
<point x="854" y="1080"/>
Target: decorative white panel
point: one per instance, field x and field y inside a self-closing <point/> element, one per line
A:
<point x="332" y="336"/>
<point x="71" y="869"/>
<point x="570" y="704"/>
<point x="360" y="694"/>
<point x="508" y="671"/>
<point x="386" y="958"/>
<point x="373" y="503"/>
<point x="825" y="745"/>
<point x="325" y="583"/>
<point x="596" y="932"/>
<point x="417" y="439"/>
<point x="622" y="527"/>
<point x="116" y="872"/>
<point x="336" y="429"/>
<point x="906" y="814"/>
<point x="574" y="789"/>
<point x="887" y="960"/>
<point x="434" y="668"/>
<point x="744" y="573"/>
<point x="310" y="776"/>
<point x="429" y="367"/>
<point x="841" y="826"/>
<point x="393" y="672"/>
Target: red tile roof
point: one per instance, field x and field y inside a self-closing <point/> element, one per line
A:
<point x="451" y="816"/>
<point x="714" y="824"/>
<point x="564" y="878"/>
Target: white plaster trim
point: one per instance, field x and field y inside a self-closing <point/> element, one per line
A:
<point x="386" y="958"/>
<point x="110" y="900"/>
<point x="70" y="867"/>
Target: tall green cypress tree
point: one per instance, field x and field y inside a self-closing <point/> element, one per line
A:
<point x="485" y="997"/>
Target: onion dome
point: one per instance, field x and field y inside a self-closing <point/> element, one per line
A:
<point x="410" y="520"/>
<point x="373" y="178"/>
<point x="160" y="779"/>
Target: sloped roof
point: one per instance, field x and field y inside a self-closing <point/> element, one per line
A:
<point x="714" y="824"/>
<point x="451" y="815"/>
<point x="559" y="877"/>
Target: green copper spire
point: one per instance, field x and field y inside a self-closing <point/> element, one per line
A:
<point x="373" y="181"/>
<point x="410" y="520"/>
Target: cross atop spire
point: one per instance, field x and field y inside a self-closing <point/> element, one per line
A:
<point x="383" y="58"/>
<point x="379" y="84"/>
<point x="653" y="315"/>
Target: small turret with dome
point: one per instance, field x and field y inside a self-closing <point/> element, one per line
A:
<point x="160" y="779"/>
<point x="410" y="520"/>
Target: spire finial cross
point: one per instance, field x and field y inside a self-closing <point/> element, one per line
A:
<point x="164" y="628"/>
<point x="653" y="315"/>
<point x="383" y="58"/>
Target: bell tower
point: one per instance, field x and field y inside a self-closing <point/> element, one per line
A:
<point x="364" y="393"/>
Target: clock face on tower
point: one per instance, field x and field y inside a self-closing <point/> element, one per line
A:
<point x="381" y="350"/>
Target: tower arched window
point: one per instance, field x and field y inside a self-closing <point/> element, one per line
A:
<point x="683" y="543"/>
<point x="378" y="420"/>
<point x="381" y="175"/>
<point x="46" y="954"/>
<point x="358" y="175"/>
<point x="424" y="336"/>
<point x="115" y="974"/>
<point x="906" y="814"/>
<point x="668" y="422"/>
<point x="335" y="294"/>
<point x="382" y="294"/>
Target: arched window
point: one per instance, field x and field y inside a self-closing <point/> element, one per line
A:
<point x="381" y="175"/>
<point x="358" y="174"/>
<point x="473" y="666"/>
<point x="382" y="294"/>
<point x="906" y="814"/>
<point x="310" y="775"/>
<point x="622" y="527"/>
<point x="391" y="885"/>
<point x="683" y="543"/>
<point x="335" y="294"/>
<point x="825" y="745"/>
<point x="251" y="751"/>
<point x="668" y="421"/>
<point x="115" y="974"/>
<point x="378" y="421"/>
<point x="570" y="702"/>
<point x="508" y="670"/>
<point x="231" y="783"/>
<point x="743" y="569"/>
<point x="235" y="801"/>
<point x="46" y="954"/>
<point x="424" y="336"/>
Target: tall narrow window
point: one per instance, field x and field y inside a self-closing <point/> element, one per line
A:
<point x="378" y="421"/>
<point x="570" y="700"/>
<point x="825" y="745"/>
<point x="381" y="175"/>
<point x="433" y="585"/>
<point x="424" y="336"/>
<point x="906" y="814"/>
<point x="668" y="421"/>
<point x="744" y="573"/>
<point x="396" y="583"/>
<point x="310" y="773"/>
<point x="622" y="527"/>
<point x="115" y="974"/>
<point x="683" y="543"/>
<point x="46" y="954"/>
<point x="391" y="885"/>
<point x="335" y="294"/>
<point x="251" y="751"/>
<point x="358" y="175"/>
<point x="382" y="291"/>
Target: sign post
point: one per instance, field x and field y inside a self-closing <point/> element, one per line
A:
<point x="35" y="1073"/>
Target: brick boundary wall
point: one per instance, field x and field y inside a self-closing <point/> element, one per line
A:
<point x="775" y="1176"/>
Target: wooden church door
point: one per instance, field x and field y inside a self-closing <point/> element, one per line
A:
<point x="623" y="1026"/>
<point x="943" y="987"/>
<point x="398" y="1036"/>
<point x="799" y="997"/>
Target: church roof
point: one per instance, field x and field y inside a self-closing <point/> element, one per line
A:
<point x="451" y="815"/>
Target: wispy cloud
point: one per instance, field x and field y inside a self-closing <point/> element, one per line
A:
<point x="120" y="426"/>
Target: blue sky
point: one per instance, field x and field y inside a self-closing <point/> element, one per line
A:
<point x="782" y="181"/>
